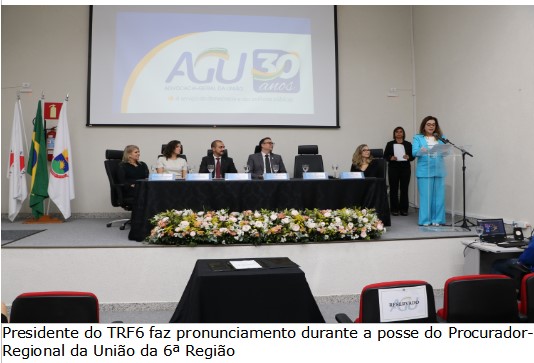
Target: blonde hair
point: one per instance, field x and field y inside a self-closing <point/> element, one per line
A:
<point x="357" y="158"/>
<point x="127" y="151"/>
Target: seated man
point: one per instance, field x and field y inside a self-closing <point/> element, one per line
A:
<point x="516" y="268"/>
<point x="222" y="165"/>
<point x="265" y="161"/>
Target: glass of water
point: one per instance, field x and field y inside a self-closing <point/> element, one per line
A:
<point x="334" y="168"/>
<point x="276" y="167"/>
<point x="211" y="168"/>
<point x="305" y="168"/>
<point x="247" y="168"/>
<point x="479" y="230"/>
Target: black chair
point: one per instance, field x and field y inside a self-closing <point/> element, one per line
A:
<point x="479" y="299"/>
<point x="257" y="149"/>
<point x="55" y="307"/>
<point x="113" y="159"/>
<point x="377" y="153"/>
<point x="372" y="307"/>
<point x="381" y="173"/>
<point x="526" y="305"/>
<point x="308" y="154"/>
<point x="224" y="155"/>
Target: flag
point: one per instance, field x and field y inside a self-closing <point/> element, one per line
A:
<point x="37" y="166"/>
<point x="16" y="172"/>
<point x="61" y="185"/>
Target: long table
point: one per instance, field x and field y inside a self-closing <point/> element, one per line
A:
<point x="154" y="197"/>
<point x="266" y="295"/>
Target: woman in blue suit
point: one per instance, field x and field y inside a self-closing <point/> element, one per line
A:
<point x="430" y="173"/>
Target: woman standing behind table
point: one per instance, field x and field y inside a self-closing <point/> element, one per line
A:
<point x="170" y="162"/>
<point x="430" y="173"/>
<point x="363" y="161"/>
<point x="130" y="170"/>
<point x="399" y="171"/>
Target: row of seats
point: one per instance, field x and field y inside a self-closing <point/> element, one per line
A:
<point x="467" y="299"/>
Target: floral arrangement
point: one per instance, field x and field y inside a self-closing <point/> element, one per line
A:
<point x="186" y="227"/>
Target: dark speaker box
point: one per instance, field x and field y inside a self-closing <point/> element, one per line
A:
<point x="518" y="234"/>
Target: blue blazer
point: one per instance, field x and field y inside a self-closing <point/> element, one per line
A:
<point x="428" y="165"/>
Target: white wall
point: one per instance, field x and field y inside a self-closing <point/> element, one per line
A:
<point x="51" y="51"/>
<point x="331" y="268"/>
<point x="473" y="71"/>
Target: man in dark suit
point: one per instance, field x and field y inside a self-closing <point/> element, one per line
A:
<point x="265" y="161"/>
<point x="222" y="164"/>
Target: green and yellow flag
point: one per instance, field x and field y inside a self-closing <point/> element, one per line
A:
<point x="37" y="166"/>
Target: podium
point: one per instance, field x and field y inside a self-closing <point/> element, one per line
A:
<point x="436" y="166"/>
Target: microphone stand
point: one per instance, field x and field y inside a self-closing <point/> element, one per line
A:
<point x="464" y="220"/>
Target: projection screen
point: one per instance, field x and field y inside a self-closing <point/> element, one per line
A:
<point x="213" y="66"/>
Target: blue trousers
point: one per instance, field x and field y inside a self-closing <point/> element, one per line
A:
<point x="431" y="200"/>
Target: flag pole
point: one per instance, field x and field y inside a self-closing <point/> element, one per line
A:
<point x="45" y="218"/>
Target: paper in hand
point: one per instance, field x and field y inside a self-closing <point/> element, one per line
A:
<point x="399" y="152"/>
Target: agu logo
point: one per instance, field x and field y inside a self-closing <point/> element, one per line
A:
<point x="60" y="165"/>
<point x="276" y="71"/>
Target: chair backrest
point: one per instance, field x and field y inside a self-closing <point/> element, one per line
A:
<point x="381" y="173"/>
<point x="113" y="159"/>
<point x="308" y="154"/>
<point x="377" y="153"/>
<point x="55" y="307"/>
<point x="526" y="306"/>
<point x="479" y="299"/>
<point x="397" y="301"/>
<point x="257" y="149"/>
<point x="225" y="153"/>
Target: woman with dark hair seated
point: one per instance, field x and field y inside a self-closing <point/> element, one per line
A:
<point x="170" y="162"/>
<point x="362" y="160"/>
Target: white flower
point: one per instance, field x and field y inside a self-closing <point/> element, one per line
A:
<point x="200" y="213"/>
<point x="223" y="230"/>
<point x="233" y="219"/>
<point x="258" y="224"/>
<point x="295" y="227"/>
<point x="294" y="212"/>
<point x="363" y="234"/>
<point x="310" y="224"/>
<point x="273" y="217"/>
<point x="184" y="224"/>
<point x="193" y="233"/>
<point x="327" y="214"/>
<point x="246" y="228"/>
<point x="285" y="220"/>
<point x="257" y="214"/>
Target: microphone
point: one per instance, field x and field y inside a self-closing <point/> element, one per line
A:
<point x="436" y="135"/>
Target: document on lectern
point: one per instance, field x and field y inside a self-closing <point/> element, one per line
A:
<point x="245" y="264"/>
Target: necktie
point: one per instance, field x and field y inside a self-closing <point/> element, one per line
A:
<point x="267" y="164"/>
<point x="218" y="168"/>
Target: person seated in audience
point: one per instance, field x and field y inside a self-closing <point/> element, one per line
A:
<point x="262" y="162"/>
<point x="222" y="165"/>
<point x="170" y="162"/>
<point x="130" y="170"/>
<point x="4" y="313"/>
<point x="362" y="160"/>
<point x="516" y="268"/>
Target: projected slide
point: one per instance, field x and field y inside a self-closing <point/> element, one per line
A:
<point x="188" y="68"/>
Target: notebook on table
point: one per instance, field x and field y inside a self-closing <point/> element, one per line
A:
<point x="493" y="230"/>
